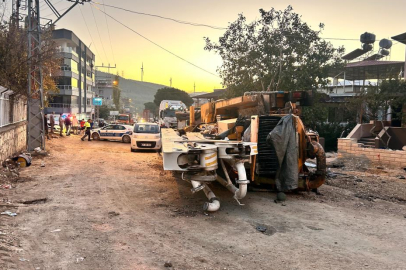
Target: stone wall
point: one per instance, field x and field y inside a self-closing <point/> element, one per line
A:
<point x="349" y="148"/>
<point x="13" y="139"/>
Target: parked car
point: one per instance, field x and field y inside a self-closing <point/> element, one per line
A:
<point x="114" y="132"/>
<point x="146" y="136"/>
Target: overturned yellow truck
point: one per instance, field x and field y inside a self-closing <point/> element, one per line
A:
<point x="263" y="111"/>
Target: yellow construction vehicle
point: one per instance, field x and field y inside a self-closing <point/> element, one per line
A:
<point x="252" y="118"/>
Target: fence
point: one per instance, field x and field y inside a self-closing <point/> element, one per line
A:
<point x="13" y="128"/>
<point x="12" y="109"/>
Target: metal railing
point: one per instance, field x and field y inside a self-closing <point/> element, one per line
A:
<point x="62" y="105"/>
<point x="67" y="50"/>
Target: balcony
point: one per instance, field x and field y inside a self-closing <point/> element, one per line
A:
<point x="62" y="108"/>
<point x="68" y="90"/>
<point x="67" y="50"/>
<point x="62" y="105"/>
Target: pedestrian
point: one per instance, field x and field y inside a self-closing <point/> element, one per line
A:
<point x="75" y="125"/>
<point x="46" y="126"/>
<point x="91" y="123"/>
<point x="61" y="121"/>
<point x="52" y="122"/>
<point x="68" y="124"/>
<point x="82" y="125"/>
<point x="87" y="130"/>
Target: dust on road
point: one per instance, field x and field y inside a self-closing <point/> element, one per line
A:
<point x="108" y="208"/>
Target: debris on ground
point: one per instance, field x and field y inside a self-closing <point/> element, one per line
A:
<point x="8" y="213"/>
<point x="168" y="264"/>
<point x="35" y="201"/>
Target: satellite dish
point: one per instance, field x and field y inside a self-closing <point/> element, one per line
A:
<point x="385" y="43"/>
<point x="367" y="38"/>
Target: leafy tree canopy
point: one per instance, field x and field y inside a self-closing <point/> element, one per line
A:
<point x="276" y="52"/>
<point x="151" y="107"/>
<point x="116" y="92"/>
<point x="14" y="59"/>
<point x="169" y="93"/>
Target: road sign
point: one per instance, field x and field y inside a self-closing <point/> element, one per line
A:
<point x="97" y="101"/>
<point x="114" y="113"/>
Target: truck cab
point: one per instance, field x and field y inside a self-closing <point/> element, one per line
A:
<point x="167" y="112"/>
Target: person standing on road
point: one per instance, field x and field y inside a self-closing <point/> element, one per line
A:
<point x="87" y="130"/>
<point x="75" y="125"/>
<point x="82" y="125"/>
<point x="61" y="121"/>
<point x="46" y="126"/>
<point x="68" y="124"/>
<point x="52" y="122"/>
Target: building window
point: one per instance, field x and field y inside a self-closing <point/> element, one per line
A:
<point x="88" y="101"/>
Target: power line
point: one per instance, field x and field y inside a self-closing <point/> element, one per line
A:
<point x="129" y="28"/>
<point x="99" y="36"/>
<point x="108" y="31"/>
<point x="162" y="17"/>
<point x="80" y="8"/>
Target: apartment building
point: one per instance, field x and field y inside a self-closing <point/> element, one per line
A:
<point x="76" y="79"/>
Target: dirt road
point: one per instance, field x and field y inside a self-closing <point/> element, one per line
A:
<point x="108" y="208"/>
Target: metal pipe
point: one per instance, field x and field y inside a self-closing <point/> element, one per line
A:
<point x="242" y="181"/>
<point x="214" y="203"/>
<point x="241" y="191"/>
<point x="261" y="92"/>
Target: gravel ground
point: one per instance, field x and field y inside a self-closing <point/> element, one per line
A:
<point x="96" y="205"/>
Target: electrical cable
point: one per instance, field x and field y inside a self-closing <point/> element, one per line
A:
<point x="101" y="41"/>
<point x="108" y="31"/>
<point x="162" y="17"/>
<point x="156" y="44"/>
<point x="95" y="47"/>
<point x="194" y="24"/>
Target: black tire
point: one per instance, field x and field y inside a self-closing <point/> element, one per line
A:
<point x="126" y="139"/>
<point x="96" y="137"/>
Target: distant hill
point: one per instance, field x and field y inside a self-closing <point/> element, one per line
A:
<point x="139" y="92"/>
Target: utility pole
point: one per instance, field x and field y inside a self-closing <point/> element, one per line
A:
<point x="35" y="91"/>
<point x="142" y="72"/>
<point x="170" y="82"/>
<point x="194" y="87"/>
<point x="97" y="109"/>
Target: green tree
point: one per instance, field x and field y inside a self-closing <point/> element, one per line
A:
<point x="14" y="59"/>
<point x="169" y="93"/>
<point x="104" y="112"/>
<point x="276" y="52"/>
<point x="152" y="107"/>
<point x="116" y="92"/>
<point x="373" y="102"/>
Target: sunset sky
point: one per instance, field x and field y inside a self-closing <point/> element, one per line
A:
<point x="343" y="19"/>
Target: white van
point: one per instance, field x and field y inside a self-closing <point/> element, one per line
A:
<point x="146" y="136"/>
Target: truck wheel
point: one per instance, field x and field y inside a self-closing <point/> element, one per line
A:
<point x="126" y="139"/>
<point x="96" y="137"/>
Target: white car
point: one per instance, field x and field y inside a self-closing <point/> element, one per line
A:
<point x="146" y="136"/>
<point x="114" y="132"/>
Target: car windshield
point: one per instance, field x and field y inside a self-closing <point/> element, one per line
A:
<point x="169" y="113"/>
<point x="146" y="128"/>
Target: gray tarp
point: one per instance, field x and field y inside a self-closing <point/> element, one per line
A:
<point x="283" y="139"/>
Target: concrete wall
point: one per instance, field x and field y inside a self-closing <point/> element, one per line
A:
<point x="349" y="148"/>
<point x="13" y="139"/>
<point x="364" y="130"/>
